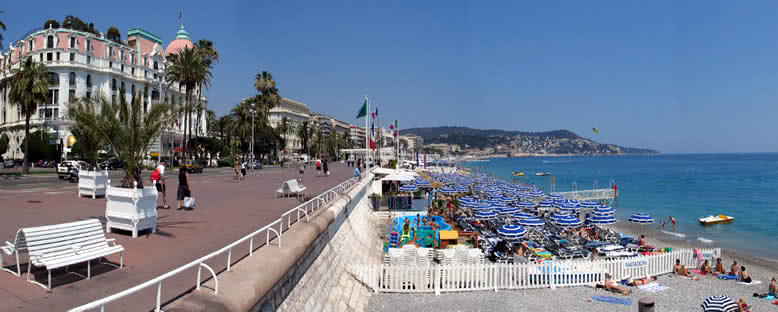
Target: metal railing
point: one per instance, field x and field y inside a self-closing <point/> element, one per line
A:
<point x="276" y="228"/>
<point x="595" y="194"/>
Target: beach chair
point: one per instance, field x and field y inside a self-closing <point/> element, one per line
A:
<point x="61" y="245"/>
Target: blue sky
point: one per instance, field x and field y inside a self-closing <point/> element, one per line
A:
<point x="678" y="76"/>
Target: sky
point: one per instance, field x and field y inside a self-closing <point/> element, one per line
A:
<point x="676" y="76"/>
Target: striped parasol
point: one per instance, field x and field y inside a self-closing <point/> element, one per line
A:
<point x="485" y="214"/>
<point x="602" y="219"/>
<point x="719" y="303"/>
<point x="512" y="231"/>
<point x="641" y="218"/>
<point x="532" y="222"/>
<point x="604" y="210"/>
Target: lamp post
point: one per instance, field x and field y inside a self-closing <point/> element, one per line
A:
<point x="253" y="114"/>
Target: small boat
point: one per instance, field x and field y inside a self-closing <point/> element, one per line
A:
<point x="518" y="174"/>
<point x="716" y="219"/>
<point x="540" y="174"/>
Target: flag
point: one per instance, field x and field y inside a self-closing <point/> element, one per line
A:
<point x="417" y="158"/>
<point x="391" y="126"/>
<point x="372" y="144"/>
<point x="596" y="130"/>
<point x="363" y="111"/>
<point x="373" y="114"/>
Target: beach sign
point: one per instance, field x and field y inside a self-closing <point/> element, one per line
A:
<point x="635" y="264"/>
<point x="709" y="255"/>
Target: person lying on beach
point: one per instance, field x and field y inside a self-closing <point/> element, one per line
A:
<point x="734" y="269"/>
<point x="772" y="289"/>
<point x="706" y="269"/>
<point x="742" y="306"/>
<point x="680" y="269"/>
<point x="744" y="276"/>
<point x="720" y="267"/>
<point x="641" y="281"/>
<point x="612" y="286"/>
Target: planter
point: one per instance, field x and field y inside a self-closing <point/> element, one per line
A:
<point x="131" y="209"/>
<point x="92" y="183"/>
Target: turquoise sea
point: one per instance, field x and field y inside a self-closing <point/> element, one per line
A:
<point x="686" y="186"/>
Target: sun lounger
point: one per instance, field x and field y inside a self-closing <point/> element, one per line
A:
<point x="61" y="245"/>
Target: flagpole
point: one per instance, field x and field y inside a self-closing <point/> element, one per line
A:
<point x="367" y="144"/>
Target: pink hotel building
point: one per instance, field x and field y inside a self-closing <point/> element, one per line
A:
<point x="82" y="65"/>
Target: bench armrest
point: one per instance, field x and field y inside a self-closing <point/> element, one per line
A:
<point x="9" y="248"/>
<point x="111" y="240"/>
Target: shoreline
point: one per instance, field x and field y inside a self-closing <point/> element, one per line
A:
<point x="762" y="268"/>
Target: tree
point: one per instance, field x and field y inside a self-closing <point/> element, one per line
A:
<point x="29" y="86"/>
<point x="127" y="130"/>
<point x="114" y="34"/>
<point x="187" y="68"/>
<point x="303" y="132"/>
<point x="2" y="27"/>
<point x="52" y="23"/>
<point x="88" y="142"/>
<point x="75" y="23"/>
<point x="39" y="147"/>
<point x="210" y="57"/>
<point x="4" y="139"/>
<point x="283" y="128"/>
<point x="268" y="93"/>
<point x="212" y="124"/>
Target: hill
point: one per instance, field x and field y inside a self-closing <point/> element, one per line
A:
<point x="520" y="142"/>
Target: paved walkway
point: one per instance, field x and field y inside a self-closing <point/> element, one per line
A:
<point x="226" y="211"/>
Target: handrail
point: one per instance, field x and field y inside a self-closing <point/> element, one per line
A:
<point x="200" y="262"/>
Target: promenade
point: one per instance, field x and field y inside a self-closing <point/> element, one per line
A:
<point x="226" y="211"/>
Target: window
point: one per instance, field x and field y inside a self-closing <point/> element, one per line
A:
<point x="53" y="79"/>
<point x="72" y="57"/>
<point x="30" y="48"/>
<point x="72" y="42"/>
<point x="53" y="97"/>
<point x="156" y="65"/>
<point x="123" y="89"/>
<point x="110" y="64"/>
<point x="72" y="79"/>
<point x="41" y="57"/>
<point x="88" y="59"/>
<point x="133" y="90"/>
<point x="48" y="57"/>
<point x="113" y="84"/>
<point x="71" y="95"/>
<point x="121" y="53"/>
<point x="57" y="56"/>
<point x="88" y="81"/>
<point x="132" y="70"/>
<point x="50" y="42"/>
<point x="88" y="45"/>
<point x="155" y="95"/>
<point x="110" y="52"/>
<point x="122" y="67"/>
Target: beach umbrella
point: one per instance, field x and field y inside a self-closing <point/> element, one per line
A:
<point x="546" y="203"/>
<point x="409" y="188"/>
<point x="641" y="218"/>
<point x="569" y="207"/>
<point x="532" y="222"/>
<point x="557" y="216"/>
<point x="527" y="205"/>
<point x="523" y="215"/>
<point x="447" y="190"/>
<point x="484" y="214"/>
<point x="602" y="219"/>
<point x="719" y="303"/>
<point x="512" y="231"/>
<point x="604" y="210"/>
<point x="461" y="189"/>
<point x="507" y="210"/>
<point x="590" y="204"/>
<point x="568" y="220"/>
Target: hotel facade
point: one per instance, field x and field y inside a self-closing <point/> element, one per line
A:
<point x="83" y="64"/>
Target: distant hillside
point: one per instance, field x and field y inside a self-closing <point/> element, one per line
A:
<point x="502" y="141"/>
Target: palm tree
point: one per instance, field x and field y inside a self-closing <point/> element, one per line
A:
<point x="268" y="93"/>
<point x="283" y="128"/>
<point x="2" y="27"/>
<point x="210" y="57"/>
<point x="212" y="122"/>
<point x="303" y="132"/>
<point x="125" y="128"/>
<point x="188" y="69"/>
<point x="241" y="116"/>
<point x="29" y="86"/>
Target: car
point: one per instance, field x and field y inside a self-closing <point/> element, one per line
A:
<point x="112" y="164"/>
<point x="257" y="164"/>
<point x="9" y="163"/>
<point x="64" y="168"/>
<point x="192" y="166"/>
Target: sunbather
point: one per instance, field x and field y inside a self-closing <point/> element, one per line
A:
<point x="680" y="269"/>
<point x="612" y="286"/>
<point x="642" y="241"/>
<point x="742" y="306"/>
<point x="641" y="281"/>
<point x="734" y="269"/>
<point x="772" y="289"/>
<point x="720" y="267"/>
<point x="706" y="269"/>
<point x="744" y="276"/>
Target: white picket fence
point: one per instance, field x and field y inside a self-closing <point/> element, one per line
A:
<point x="549" y="274"/>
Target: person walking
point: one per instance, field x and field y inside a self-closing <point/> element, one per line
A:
<point x="325" y="169"/>
<point x="672" y="221"/>
<point x="318" y="167"/>
<point x="236" y="167"/>
<point x="243" y="170"/>
<point x="183" y="187"/>
<point x="159" y="180"/>
<point x="301" y="168"/>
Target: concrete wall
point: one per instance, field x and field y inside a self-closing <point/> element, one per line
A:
<point x="309" y="272"/>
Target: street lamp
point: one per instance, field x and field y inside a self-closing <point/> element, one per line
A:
<point x="253" y="114"/>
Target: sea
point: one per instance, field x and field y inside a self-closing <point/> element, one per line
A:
<point x="685" y="186"/>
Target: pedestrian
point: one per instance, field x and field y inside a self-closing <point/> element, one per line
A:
<point x="183" y="187"/>
<point x="672" y="221"/>
<point x="243" y="170"/>
<point x="318" y="167"/>
<point x="301" y="168"/>
<point x="236" y="166"/>
<point x="356" y="172"/>
<point x="159" y="180"/>
<point x="325" y="168"/>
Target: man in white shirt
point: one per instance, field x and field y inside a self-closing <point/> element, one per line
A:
<point x="161" y="187"/>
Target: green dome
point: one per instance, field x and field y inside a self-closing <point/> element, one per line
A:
<point x="182" y="34"/>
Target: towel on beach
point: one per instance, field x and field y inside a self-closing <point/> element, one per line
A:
<point x="653" y="287"/>
<point x="769" y="297"/>
<point x="727" y="277"/>
<point x="609" y="299"/>
<point x="753" y="282"/>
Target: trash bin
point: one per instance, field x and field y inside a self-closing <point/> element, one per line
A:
<point x="646" y="304"/>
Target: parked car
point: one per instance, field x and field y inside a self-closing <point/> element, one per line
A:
<point x="192" y="166"/>
<point x="256" y="164"/>
<point x="10" y="163"/>
<point x="64" y="168"/>
<point x="112" y="164"/>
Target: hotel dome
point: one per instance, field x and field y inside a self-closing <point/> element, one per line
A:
<point x="182" y="41"/>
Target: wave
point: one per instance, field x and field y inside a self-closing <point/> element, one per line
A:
<point x="555" y="161"/>
<point x="705" y="240"/>
<point x="676" y="234"/>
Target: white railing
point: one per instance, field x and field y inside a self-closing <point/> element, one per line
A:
<point x="590" y="194"/>
<point x="275" y="228"/>
<point x="549" y="274"/>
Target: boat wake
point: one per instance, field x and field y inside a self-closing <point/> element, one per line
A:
<point x="705" y="240"/>
<point x="555" y="161"/>
<point x="676" y="234"/>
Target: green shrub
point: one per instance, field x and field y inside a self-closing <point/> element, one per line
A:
<point x="224" y="162"/>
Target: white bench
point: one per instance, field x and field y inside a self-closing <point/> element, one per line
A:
<point x="61" y="245"/>
<point x="291" y="187"/>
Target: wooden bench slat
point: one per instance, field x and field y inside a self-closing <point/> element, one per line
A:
<point x="53" y="257"/>
<point x="32" y="245"/>
<point x="30" y="236"/>
<point x="83" y="257"/>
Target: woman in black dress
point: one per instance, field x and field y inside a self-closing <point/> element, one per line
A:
<point x="183" y="187"/>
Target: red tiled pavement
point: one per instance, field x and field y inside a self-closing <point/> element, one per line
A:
<point x="226" y="211"/>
